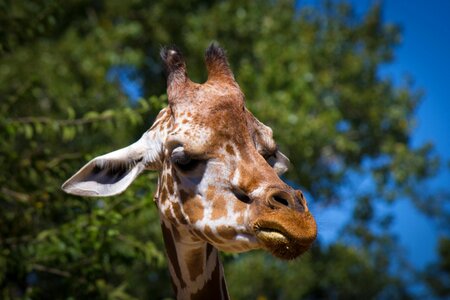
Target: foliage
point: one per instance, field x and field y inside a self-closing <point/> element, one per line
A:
<point x="332" y="273"/>
<point x="437" y="275"/>
<point x="311" y="73"/>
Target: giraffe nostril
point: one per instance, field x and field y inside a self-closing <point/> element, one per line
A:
<point x="281" y="200"/>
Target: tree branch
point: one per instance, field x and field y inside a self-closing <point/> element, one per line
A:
<point x="58" y="272"/>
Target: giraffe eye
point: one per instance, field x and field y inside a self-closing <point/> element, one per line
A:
<point x="278" y="161"/>
<point x="189" y="165"/>
<point x="183" y="161"/>
<point x="271" y="160"/>
<point x="270" y="155"/>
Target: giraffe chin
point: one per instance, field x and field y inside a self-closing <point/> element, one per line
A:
<point x="286" y="237"/>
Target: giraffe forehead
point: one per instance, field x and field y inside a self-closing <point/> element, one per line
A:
<point x="208" y="94"/>
<point x="208" y="100"/>
<point x="211" y="128"/>
<point x="207" y="113"/>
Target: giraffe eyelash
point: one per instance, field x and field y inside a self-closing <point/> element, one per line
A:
<point x="184" y="161"/>
<point x="189" y="165"/>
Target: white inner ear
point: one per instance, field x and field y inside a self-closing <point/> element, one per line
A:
<point x="112" y="173"/>
<point x="102" y="177"/>
<point x="279" y="162"/>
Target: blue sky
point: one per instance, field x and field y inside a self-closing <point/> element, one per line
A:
<point x="423" y="54"/>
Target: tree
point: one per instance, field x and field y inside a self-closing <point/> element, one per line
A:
<point x="437" y="275"/>
<point x="311" y="73"/>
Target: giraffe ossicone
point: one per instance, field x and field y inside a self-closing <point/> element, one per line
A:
<point x="218" y="185"/>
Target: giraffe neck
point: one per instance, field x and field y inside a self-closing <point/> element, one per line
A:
<point x="194" y="265"/>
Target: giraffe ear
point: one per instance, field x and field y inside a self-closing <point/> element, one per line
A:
<point x="112" y="173"/>
<point x="263" y="138"/>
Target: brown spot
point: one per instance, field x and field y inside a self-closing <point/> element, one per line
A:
<point x="189" y="114"/>
<point x="172" y="255"/>
<point x="218" y="209"/>
<point x="169" y="183"/>
<point x="195" y="261"/>
<point x="240" y="206"/>
<point x="226" y="232"/>
<point x="178" y="214"/>
<point x="217" y="214"/>
<point x="193" y="207"/>
<point x="210" y="192"/>
<point x="218" y="202"/>
<point x="184" y="121"/>
<point x="229" y="149"/>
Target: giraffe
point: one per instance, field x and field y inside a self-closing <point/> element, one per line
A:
<point x="218" y="185"/>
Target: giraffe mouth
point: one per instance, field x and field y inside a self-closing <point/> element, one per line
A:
<point x="271" y="234"/>
<point x="286" y="238"/>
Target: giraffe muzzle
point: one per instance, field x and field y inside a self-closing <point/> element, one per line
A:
<point x="286" y="233"/>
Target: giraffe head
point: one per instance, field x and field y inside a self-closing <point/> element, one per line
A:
<point x="218" y="167"/>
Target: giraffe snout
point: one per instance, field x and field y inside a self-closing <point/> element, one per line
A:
<point x="287" y="199"/>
